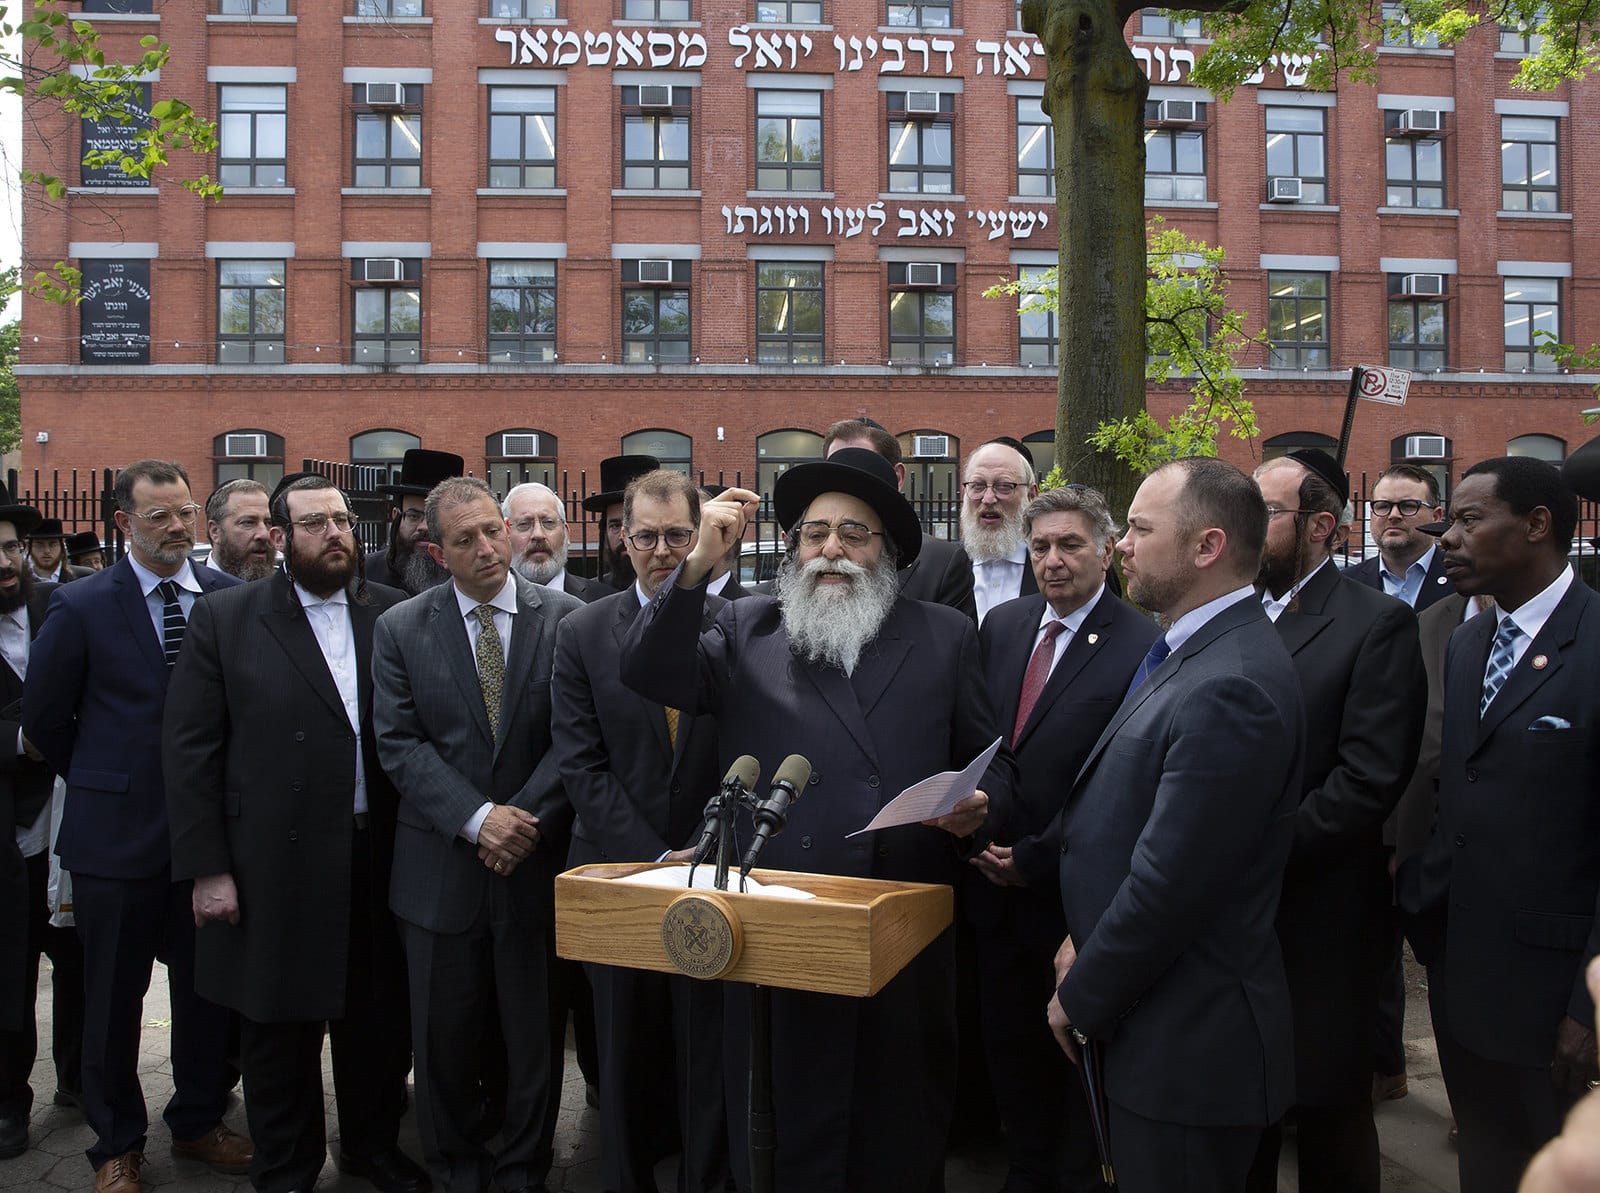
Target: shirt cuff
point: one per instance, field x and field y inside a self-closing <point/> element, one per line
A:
<point x="20" y="750"/>
<point x="474" y="823"/>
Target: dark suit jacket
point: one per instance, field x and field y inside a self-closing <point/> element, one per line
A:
<point x="1177" y="830"/>
<point x="1435" y="585"/>
<point x="1408" y="829"/>
<point x="1360" y="668"/>
<point x="916" y="705"/>
<point x="734" y="591"/>
<point x="634" y="795"/>
<point x="586" y="590"/>
<point x="97" y="682"/>
<point x="1506" y="890"/>
<point x="942" y="574"/>
<point x="25" y="787"/>
<point x="434" y="740"/>
<point x="1081" y="696"/>
<point x="260" y="768"/>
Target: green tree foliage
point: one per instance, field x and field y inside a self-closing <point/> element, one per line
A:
<point x="1190" y="332"/>
<point x="62" y="61"/>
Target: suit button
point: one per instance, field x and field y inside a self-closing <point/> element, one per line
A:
<point x="883" y="851"/>
<point x="293" y="836"/>
<point x="1461" y="839"/>
<point x="872" y="780"/>
<point x="297" y="785"/>
<point x="805" y="842"/>
<point x="299" y="737"/>
<point x="816" y="777"/>
<point x="676" y="787"/>
<point x="1472" y="775"/>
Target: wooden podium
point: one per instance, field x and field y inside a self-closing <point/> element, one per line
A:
<point x="851" y="939"/>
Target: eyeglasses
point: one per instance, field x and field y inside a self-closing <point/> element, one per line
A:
<point x="318" y="524"/>
<point x="1273" y="511"/>
<point x="526" y="525"/>
<point x="1001" y="488"/>
<point x="646" y="540"/>
<point x="412" y="517"/>
<point x="851" y="534"/>
<point x="1407" y="508"/>
<point x="184" y="513"/>
<point x="13" y="548"/>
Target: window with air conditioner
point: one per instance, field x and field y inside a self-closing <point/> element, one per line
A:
<point x="388" y="140"/>
<point x="1413" y="165"/>
<point x="248" y="445"/>
<point x="921" y="147"/>
<point x="922" y="318"/>
<point x="1425" y="447"/>
<point x="656" y="138"/>
<point x="1297" y="144"/>
<point x="1418" y="327"/>
<point x="656" y="327"/>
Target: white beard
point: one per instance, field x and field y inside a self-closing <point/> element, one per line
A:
<point x="833" y="624"/>
<point x="541" y="573"/>
<point x="984" y="543"/>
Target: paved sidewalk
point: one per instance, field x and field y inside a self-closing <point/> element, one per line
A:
<point x="1416" y="1156"/>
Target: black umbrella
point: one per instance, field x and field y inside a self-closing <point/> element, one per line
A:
<point x="1092" y="1072"/>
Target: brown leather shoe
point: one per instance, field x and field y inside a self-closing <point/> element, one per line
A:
<point x="1387" y="1087"/>
<point x="120" y="1174"/>
<point x="225" y="1150"/>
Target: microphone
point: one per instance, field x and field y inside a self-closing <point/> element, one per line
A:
<point x="772" y="813"/>
<point x="746" y="773"/>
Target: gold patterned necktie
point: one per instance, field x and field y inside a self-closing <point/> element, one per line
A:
<point x="491" y="665"/>
<point x="672" y="725"/>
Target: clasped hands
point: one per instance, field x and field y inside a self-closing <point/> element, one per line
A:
<point x="506" y="838"/>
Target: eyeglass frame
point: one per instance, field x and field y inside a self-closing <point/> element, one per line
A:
<point x="836" y="531"/>
<point x="187" y="514"/>
<point x="1398" y="505"/>
<point x="659" y="536"/>
<point x="549" y="524"/>
<point x="1002" y="489"/>
<point x="15" y="547"/>
<point x="327" y="521"/>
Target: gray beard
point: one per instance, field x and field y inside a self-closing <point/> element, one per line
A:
<point x="540" y="573"/>
<point x="983" y="544"/>
<point x="833" y="625"/>
<point x="247" y="569"/>
<point x="418" y="572"/>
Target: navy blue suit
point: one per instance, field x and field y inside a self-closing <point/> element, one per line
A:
<point x="1018" y="929"/>
<point x="96" y="687"/>
<point x="1435" y="585"/>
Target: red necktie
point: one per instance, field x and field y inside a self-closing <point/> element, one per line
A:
<point x="1038" y="672"/>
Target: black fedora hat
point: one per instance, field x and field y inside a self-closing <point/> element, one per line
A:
<point x="85" y="542"/>
<point x="23" y="517"/>
<point x="860" y="473"/>
<point x="421" y="469"/>
<point x="47" y="528"/>
<point x="1582" y="470"/>
<point x="616" y="473"/>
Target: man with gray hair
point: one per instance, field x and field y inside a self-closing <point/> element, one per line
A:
<point x="997" y="483"/>
<point x="539" y="541"/>
<point x="237" y="525"/>
<point x="1056" y="663"/>
<point x="461" y="683"/>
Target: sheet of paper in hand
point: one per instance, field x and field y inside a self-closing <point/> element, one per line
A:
<point x="932" y="797"/>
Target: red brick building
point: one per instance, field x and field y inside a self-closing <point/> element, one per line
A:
<point x="540" y="232"/>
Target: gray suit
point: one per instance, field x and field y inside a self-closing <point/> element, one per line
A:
<point x="458" y="917"/>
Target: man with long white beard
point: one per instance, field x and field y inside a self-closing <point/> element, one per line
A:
<point x="998" y="482"/>
<point x="878" y="692"/>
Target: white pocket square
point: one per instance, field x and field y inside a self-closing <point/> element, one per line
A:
<point x="1548" y="722"/>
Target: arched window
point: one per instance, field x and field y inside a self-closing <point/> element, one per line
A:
<point x="1426" y="449"/>
<point x="383" y="449"/>
<point x="1041" y="447"/>
<point x="1540" y="447"/>
<point x="253" y="454"/>
<point x="673" y="448"/>
<point x="1290" y="441"/>
<point x="516" y="455"/>
<point x="933" y="479"/>
<point x="778" y="451"/>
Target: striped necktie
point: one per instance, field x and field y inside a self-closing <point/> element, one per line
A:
<point x="1502" y="657"/>
<point x="172" y="623"/>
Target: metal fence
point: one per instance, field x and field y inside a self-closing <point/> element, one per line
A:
<point x="82" y="500"/>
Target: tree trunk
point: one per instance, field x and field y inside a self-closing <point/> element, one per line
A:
<point x="1095" y="95"/>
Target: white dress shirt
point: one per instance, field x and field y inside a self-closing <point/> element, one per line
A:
<point x="505" y="612"/>
<point x="330" y="622"/>
<point x="149" y="582"/>
<point x="1276" y="605"/>
<point x="14" y="640"/>
<point x="1531" y="615"/>
<point x="1070" y="625"/>
<point x="996" y="581"/>
<point x="1185" y="627"/>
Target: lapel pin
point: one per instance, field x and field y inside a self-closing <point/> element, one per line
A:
<point x="1441" y="579"/>
<point x="1540" y="662"/>
<point x="1093" y="638"/>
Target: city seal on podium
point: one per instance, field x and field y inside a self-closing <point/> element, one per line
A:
<point x="701" y="934"/>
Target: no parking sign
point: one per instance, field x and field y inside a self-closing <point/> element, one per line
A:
<point x="1384" y="385"/>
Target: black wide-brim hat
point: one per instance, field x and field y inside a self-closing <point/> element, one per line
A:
<point x="48" y="528"/>
<point x="1582" y="471"/>
<point x="616" y="474"/>
<point x="421" y="469"/>
<point x="23" y="517"/>
<point x="85" y="542"/>
<point x="861" y="474"/>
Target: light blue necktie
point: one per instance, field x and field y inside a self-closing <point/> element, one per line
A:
<point x="1502" y="658"/>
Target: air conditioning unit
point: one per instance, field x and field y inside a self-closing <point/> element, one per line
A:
<point x="1425" y="447"/>
<point x="518" y="445"/>
<point x="925" y="447"/>
<point x="383" y="269"/>
<point x="1421" y="120"/>
<point x="1283" y="190"/>
<point x="1423" y="284"/>
<point x="248" y="447"/>
<point x="922" y="103"/>
<point x="1178" y="111"/>
<point x="386" y="95"/>
<point x="655" y="273"/>
<point x="655" y="95"/>
<point x="923" y="273"/>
